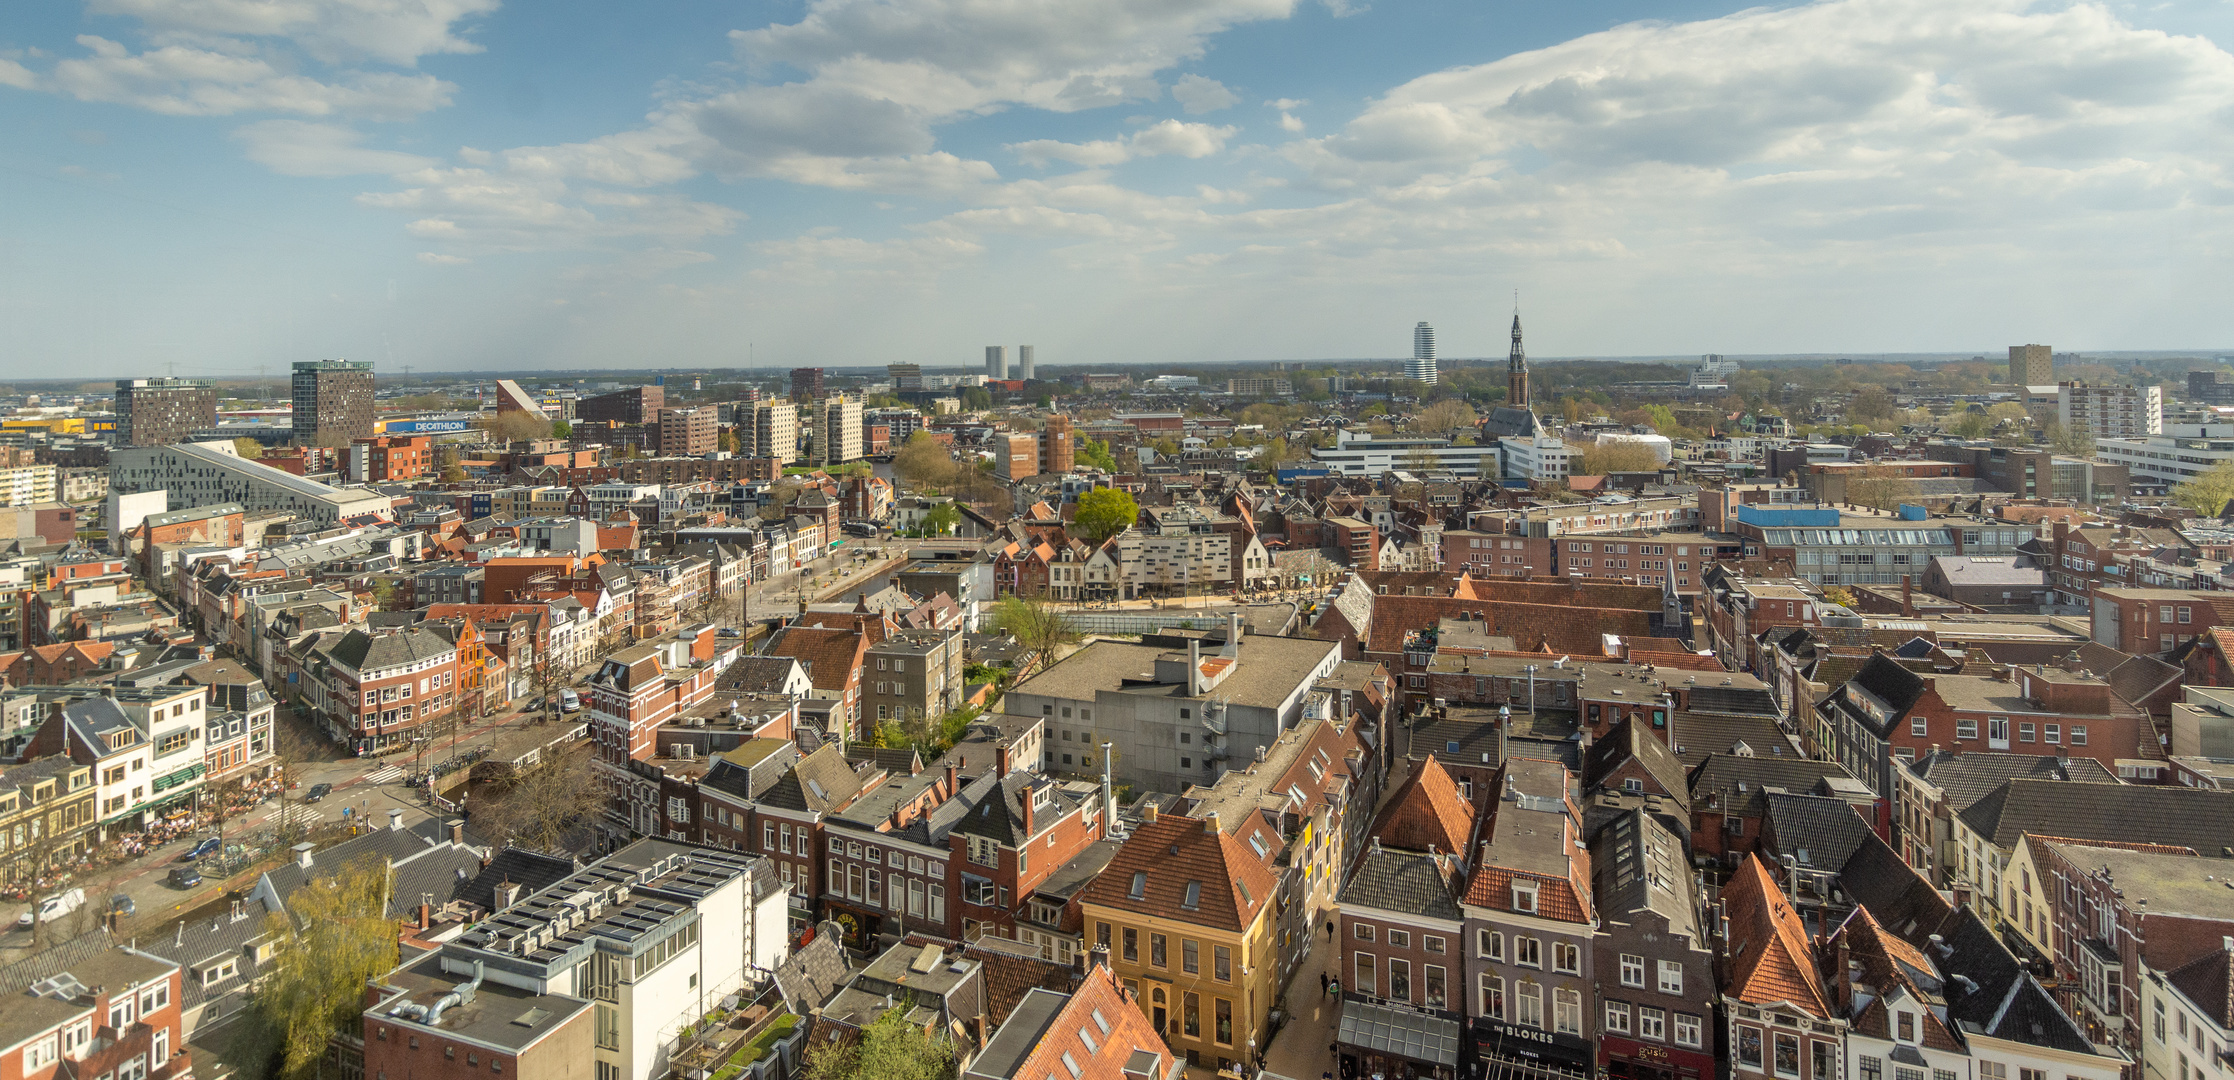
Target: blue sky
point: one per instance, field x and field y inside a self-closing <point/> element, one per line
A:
<point x="229" y="185"/>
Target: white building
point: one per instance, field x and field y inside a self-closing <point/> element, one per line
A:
<point x="208" y="473"/>
<point x="1358" y="454"/>
<point x="27" y="484"/>
<point x="1422" y="365"/>
<point x="1543" y="458"/>
<point x="654" y="936"/>
<point x="1174" y="558"/>
<point x="1663" y="451"/>
<point x="2117" y="412"/>
<point x="842" y="432"/>
<point x="768" y="429"/>
<point x="2179" y="454"/>
<point x="2186" y="1026"/>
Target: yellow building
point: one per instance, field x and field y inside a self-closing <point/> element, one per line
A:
<point x="1186" y="912"/>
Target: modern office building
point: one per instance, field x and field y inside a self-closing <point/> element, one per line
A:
<point x="843" y="435"/>
<point x="806" y="384"/>
<point x="333" y="402"/>
<point x="1024" y="362"/>
<point x="1422" y="365"/>
<point x="769" y="429"/>
<point x="207" y="473"/>
<point x="996" y="362"/>
<point x="2032" y="365"/>
<point x="902" y="423"/>
<point x="150" y="412"/>
<point x="635" y="405"/>
<point x="1356" y="454"/>
<point x="2180" y="453"/>
<point x="905" y="376"/>
<point x="2112" y="412"/>
<point x="2210" y="388"/>
<point x="688" y="432"/>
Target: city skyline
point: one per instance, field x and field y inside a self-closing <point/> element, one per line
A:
<point x="474" y="186"/>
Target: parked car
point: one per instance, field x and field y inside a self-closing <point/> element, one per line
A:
<point x="123" y="905"/>
<point x="184" y="877"/>
<point x="53" y="907"/>
<point x="210" y="845"/>
<point x="569" y="701"/>
<point x="317" y="792"/>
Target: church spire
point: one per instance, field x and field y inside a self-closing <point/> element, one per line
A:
<point x="1516" y="365"/>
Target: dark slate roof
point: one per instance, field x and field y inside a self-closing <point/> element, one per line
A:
<point x="757" y="673"/>
<point x="436" y="876"/>
<point x="1967" y="778"/>
<point x="53" y="960"/>
<point x="1405" y="881"/>
<point x="899" y="761"/>
<point x="2208" y="981"/>
<point x="2008" y="1002"/>
<point x="1738" y="784"/>
<point x="2198" y="818"/>
<point x="814" y="972"/>
<point x="1509" y="420"/>
<point x="532" y="871"/>
<point x="1896" y="686"/>
<point x="1819" y="831"/>
<point x="818" y="783"/>
<point x="1630" y="740"/>
<point x="1901" y="901"/>
<point x="389" y="845"/>
<point x="1700" y="734"/>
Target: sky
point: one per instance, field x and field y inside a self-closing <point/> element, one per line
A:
<point x="220" y="187"/>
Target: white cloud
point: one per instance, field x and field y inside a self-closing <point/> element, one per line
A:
<point x="1199" y="95"/>
<point x="16" y="75"/>
<point x="1171" y="137"/>
<point x="335" y="31"/>
<point x="1342" y="9"/>
<point x="302" y="148"/>
<point x="1288" y="122"/>
<point x="183" y="80"/>
<point x="1286" y="104"/>
<point x="497" y="210"/>
<point x="436" y="258"/>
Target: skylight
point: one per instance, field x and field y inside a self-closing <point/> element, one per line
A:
<point x="1087" y="1037"/>
<point x="1194" y="896"/>
<point x="1140" y="884"/>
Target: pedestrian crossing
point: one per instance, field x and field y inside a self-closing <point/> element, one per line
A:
<point x="384" y="774"/>
<point x="298" y="814"/>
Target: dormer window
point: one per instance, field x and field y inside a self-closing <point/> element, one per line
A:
<point x="1524" y="896"/>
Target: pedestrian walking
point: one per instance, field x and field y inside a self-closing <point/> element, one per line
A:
<point x="1322" y="982"/>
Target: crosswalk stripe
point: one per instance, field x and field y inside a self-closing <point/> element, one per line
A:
<point x="383" y="774"/>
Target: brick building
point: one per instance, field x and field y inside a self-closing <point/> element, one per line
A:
<point x="688" y="432"/>
<point x="389" y="457"/>
<point x="635" y="405"/>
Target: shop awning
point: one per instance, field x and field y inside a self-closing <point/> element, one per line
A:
<point x="1414" y="1036"/>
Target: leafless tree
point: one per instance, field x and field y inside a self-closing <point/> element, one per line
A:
<point x="545" y="804"/>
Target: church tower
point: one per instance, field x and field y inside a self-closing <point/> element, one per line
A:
<point x="1516" y="369"/>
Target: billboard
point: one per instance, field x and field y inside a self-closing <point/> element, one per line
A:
<point x="426" y="426"/>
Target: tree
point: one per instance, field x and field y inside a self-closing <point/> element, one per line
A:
<point x="1095" y="452"/>
<point x="1038" y="628"/>
<point x="1970" y="425"/>
<point x="1105" y="512"/>
<point x="334" y="936"/>
<point x="1444" y="417"/>
<point x="514" y="427"/>
<point x="1618" y="456"/>
<point x="890" y="1048"/>
<point x="2071" y="440"/>
<point x="1840" y="595"/>
<point x="2209" y="492"/>
<point x="942" y="519"/>
<point x="545" y="804"/>
<point x="1872" y="403"/>
<point x="976" y="399"/>
<point x="1880" y="486"/>
<point x="248" y="448"/>
<point x="1274" y="455"/>
<point x="780" y="497"/>
<point x="560" y="429"/>
<point x="923" y="463"/>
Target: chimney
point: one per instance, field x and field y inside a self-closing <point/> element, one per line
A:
<point x="426" y="916"/>
<point x="507" y="894"/>
<point x="950" y="786"/>
<point x="1028" y="796"/>
<point x="1000" y="760"/>
<point x="1908" y="595"/>
<point x="457" y="831"/>
<point x="1233" y="634"/>
<point x="395" y="821"/>
<point x="1148" y="813"/>
<point x="1210" y="823"/>
<point x="1194" y="666"/>
<point x="303" y="852"/>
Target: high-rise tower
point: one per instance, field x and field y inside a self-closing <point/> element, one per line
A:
<point x="1516" y="368"/>
<point x="333" y="402"/>
<point x="996" y="362"/>
<point x="1422" y="365"/>
<point x="1024" y="362"/>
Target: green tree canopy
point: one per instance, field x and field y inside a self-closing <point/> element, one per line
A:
<point x="890" y="1048"/>
<point x="942" y="519"/>
<point x="2209" y="492"/>
<point x="1039" y="629"/>
<point x="334" y="936"/>
<point x="1105" y="512"/>
<point x="1095" y="452"/>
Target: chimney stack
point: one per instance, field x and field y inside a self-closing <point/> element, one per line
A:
<point x="457" y="831"/>
<point x="1908" y="595"/>
<point x="1148" y="813"/>
<point x="395" y="821"/>
<point x="950" y="786"/>
<point x="1000" y="760"/>
<point x="1210" y="823"/>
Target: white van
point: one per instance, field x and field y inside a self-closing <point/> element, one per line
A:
<point x="569" y="701"/>
<point x="52" y="908"/>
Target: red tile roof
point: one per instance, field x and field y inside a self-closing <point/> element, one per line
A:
<point x="1169" y="854"/>
<point x="1101" y="1000"/>
<point x="1427" y="813"/>
<point x="832" y="657"/>
<point x="1770" y="961"/>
